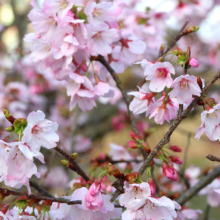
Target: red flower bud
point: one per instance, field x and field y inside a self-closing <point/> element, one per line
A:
<point x="175" y="148"/>
<point x="135" y="137"/>
<point x="133" y="144"/>
<point x="152" y="186"/>
<point x="169" y="172"/>
<point x="176" y="160"/>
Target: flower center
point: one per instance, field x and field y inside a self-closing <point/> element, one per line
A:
<point x="35" y="129"/>
<point x="63" y="4"/>
<point x="162" y="73"/>
<point x="151" y="207"/>
<point x="97" y="12"/>
<point x="184" y="85"/>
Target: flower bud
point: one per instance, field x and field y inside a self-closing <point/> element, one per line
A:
<point x="65" y="163"/>
<point x="176" y="160"/>
<point x="10" y="128"/>
<point x="191" y="29"/>
<point x="74" y="156"/>
<point x="175" y="148"/>
<point x="169" y="172"/>
<point x="135" y="136"/>
<point x="133" y="144"/>
<point x="199" y="82"/>
<point x="8" y="116"/>
<point x="152" y="186"/>
<point x="193" y="62"/>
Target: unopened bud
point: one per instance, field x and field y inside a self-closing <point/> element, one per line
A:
<point x="65" y="163"/>
<point x="176" y="160"/>
<point x="193" y="62"/>
<point x="8" y="116"/>
<point x="191" y="29"/>
<point x="199" y="82"/>
<point x="10" y="128"/>
<point x="162" y="47"/>
<point x="133" y="178"/>
<point x="175" y="148"/>
<point x="74" y="156"/>
<point x="188" y="51"/>
<point x="135" y="136"/>
<point x="133" y="145"/>
<point x="152" y="186"/>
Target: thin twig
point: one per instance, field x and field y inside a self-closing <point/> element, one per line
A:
<point x="40" y="189"/>
<point x="6" y="192"/>
<point x="75" y="167"/>
<point x="188" y="194"/>
<point x="213" y="158"/>
<point x="176" y="122"/>
<point x="207" y="211"/>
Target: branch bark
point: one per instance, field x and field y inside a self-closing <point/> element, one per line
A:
<point x="75" y="167"/>
<point x="213" y="158"/>
<point x="188" y="194"/>
<point x="40" y="189"/>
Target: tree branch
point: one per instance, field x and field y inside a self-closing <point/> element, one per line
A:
<point x="176" y="122"/>
<point x="40" y="189"/>
<point x="213" y="158"/>
<point x="187" y="195"/>
<point x="6" y="192"/>
<point x="75" y="167"/>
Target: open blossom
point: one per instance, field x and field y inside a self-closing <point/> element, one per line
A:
<point x="164" y="110"/>
<point x="159" y="75"/>
<point x="134" y="191"/>
<point x="184" y="87"/>
<point x="210" y="123"/>
<point x="143" y="101"/>
<point x="213" y="198"/>
<point x="40" y="131"/>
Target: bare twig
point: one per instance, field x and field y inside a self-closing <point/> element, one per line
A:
<point x="213" y="158"/>
<point x="176" y="122"/>
<point x="40" y="189"/>
<point x="207" y="211"/>
<point x="74" y="166"/>
<point x="6" y="192"/>
<point x="188" y="194"/>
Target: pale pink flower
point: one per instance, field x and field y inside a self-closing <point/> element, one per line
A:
<point x="143" y="101"/>
<point x="40" y="131"/>
<point x="104" y="12"/>
<point x="155" y="208"/>
<point x="101" y="88"/>
<point x="210" y="119"/>
<point x="100" y="39"/>
<point x="213" y="198"/>
<point x="164" y="110"/>
<point x="188" y="214"/>
<point x="184" y="87"/>
<point x="159" y="76"/>
<point x="133" y="214"/>
<point x="134" y="191"/>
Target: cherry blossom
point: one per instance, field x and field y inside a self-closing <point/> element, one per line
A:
<point x="40" y="132"/>
<point x="193" y="62"/>
<point x="159" y="75"/>
<point x="184" y="87"/>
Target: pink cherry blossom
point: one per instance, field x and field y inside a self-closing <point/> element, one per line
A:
<point x="213" y="198"/>
<point x="164" y="110"/>
<point x="134" y="191"/>
<point x="159" y="76"/>
<point x="100" y="39"/>
<point x="184" y="87"/>
<point x="143" y="101"/>
<point x="188" y="214"/>
<point x="40" y="132"/>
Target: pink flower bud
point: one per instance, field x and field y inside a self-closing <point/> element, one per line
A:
<point x="175" y="148"/>
<point x="133" y="144"/>
<point x="152" y="186"/>
<point x="169" y="172"/>
<point x="176" y="160"/>
<point x="135" y="136"/>
<point x="193" y="62"/>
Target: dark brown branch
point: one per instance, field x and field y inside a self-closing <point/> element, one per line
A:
<point x="181" y="34"/>
<point x="40" y="189"/>
<point x="213" y="158"/>
<point x="188" y="194"/>
<point x="7" y="192"/>
<point x="74" y="166"/>
<point x="207" y="211"/>
<point x="176" y="122"/>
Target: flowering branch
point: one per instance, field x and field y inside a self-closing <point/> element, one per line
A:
<point x="187" y="195"/>
<point x="6" y="192"/>
<point x="213" y="158"/>
<point x="40" y="189"/>
<point x="176" y="122"/>
<point x="72" y="164"/>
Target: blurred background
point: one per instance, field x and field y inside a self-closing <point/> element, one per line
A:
<point x="108" y="122"/>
